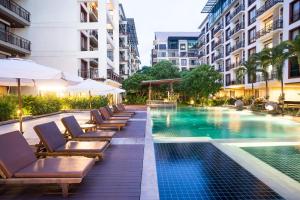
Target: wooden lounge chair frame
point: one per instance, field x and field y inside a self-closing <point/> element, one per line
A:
<point x="102" y="125"/>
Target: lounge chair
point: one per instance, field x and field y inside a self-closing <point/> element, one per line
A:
<point x="18" y="165"/>
<point x="77" y="134"/>
<point x="56" y="145"/>
<point x="117" y="109"/>
<point x="101" y="124"/>
<point x="117" y="114"/>
<point x="122" y="108"/>
<point x="106" y="115"/>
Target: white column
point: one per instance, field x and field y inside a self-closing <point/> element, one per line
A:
<point x="116" y="36"/>
<point x="102" y="39"/>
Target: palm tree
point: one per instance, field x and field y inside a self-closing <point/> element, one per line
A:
<point x="294" y="48"/>
<point x="278" y="55"/>
<point x="248" y="69"/>
<point x="263" y="60"/>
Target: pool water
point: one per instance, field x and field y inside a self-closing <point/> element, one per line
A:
<point x="220" y="123"/>
<point x="201" y="171"/>
<point x="283" y="158"/>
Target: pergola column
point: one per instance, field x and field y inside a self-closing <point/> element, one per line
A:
<point x="150" y="92"/>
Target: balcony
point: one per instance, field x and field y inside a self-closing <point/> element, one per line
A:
<point x="218" y="43"/>
<point x="201" y="43"/>
<point x="113" y="76"/>
<point x="14" y="13"/>
<point x="272" y="76"/>
<point x="235" y="82"/>
<point x="94" y="37"/>
<point x="238" y="27"/>
<point x="268" y="4"/>
<point x="218" y="57"/>
<point x="228" y="51"/>
<point x="14" y="44"/>
<point x="236" y="65"/>
<point x="220" y="69"/>
<point x="238" y="10"/>
<point x="201" y="54"/>
<point x="218" y="29"/>
<point x="94" y="62"/>
<point x="278" y="24"/>
<point x="238" y="46"/>
<point x="173" y="53"/>
<point x="192" y="53"/>
<point x="93" y="14"/>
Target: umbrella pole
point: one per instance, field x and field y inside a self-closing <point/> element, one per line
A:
<point x="20" y="106"/>
<point x="90" y="99"/>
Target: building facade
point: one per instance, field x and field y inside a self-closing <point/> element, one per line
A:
<point x="180" y="48"/>
<point x="129" y="53"/>
<point x="13" y="19"/>
<point x="235" y="29"/>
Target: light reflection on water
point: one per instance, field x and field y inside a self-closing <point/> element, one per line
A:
<point x="219" y="123"/>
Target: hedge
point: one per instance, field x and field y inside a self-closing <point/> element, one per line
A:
<point x="39" y="105"/>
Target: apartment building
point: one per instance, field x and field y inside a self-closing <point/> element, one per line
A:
<point x="79" y="37"/>
<point x="180" y="48"/>
<point x="235" y="29"/>
<point x="129" y="53"/>
<point x="13" y="18"/>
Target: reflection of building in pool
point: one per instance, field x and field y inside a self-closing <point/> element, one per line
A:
<point x="234" y="30"/>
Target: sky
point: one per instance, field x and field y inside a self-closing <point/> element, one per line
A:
<point x="162" y="15"/>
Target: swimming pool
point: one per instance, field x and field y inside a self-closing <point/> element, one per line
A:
<point x="220" y="123"/>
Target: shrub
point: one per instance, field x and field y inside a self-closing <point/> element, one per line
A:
<point x="37" y="105"/>
<point x="84" y="102"/>
<point x="135" y="99"/>
<point x="8" y="107"/>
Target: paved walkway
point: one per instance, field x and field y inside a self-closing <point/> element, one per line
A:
<point x="118" y="176"/>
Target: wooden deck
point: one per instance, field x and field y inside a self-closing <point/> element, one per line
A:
<point x="118" y="176"/>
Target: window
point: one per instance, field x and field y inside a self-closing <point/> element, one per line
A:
<point x="268" y="44"/>
<point x="227" y="79"/>
<point x="192" y="44"/>
<point x="193" y="62"/>
<point x="212" y="57"/>
<point x="227" y="18"/>
<point x="83" y="41"/>
<point x="84" y="69"/>
<point x="83" y="15"/>
<point x="207" y="49"/>
<point x="250" y="2"/>
<point x="251" y="51"/>
<point x="227" y="33"/>
<point x="227" y="48"/>
<point x="163" y="46"/>
<point x="183" y="47"/>
<point x="207" y="60"/>
<point x="162" y="54"/>
<point x="294" y="11"/>
<point x="252" y="16"/>
<point x="227" y="64"/>
<point x="294" y="71"/>
<point x="183" y="62"/>
<point x="207" y="38"/>
<point x="252" y="35"/>
<point x="174" y="62"/>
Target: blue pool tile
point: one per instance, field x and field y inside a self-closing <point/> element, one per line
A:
<point x="201" y="171"/>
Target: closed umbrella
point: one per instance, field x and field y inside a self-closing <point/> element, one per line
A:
<point x="17" y="72"/>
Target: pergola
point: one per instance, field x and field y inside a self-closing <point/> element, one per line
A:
<point x="151" y="83"/>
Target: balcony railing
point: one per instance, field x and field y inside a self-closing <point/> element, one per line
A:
<point x="272" y="76"/>
<point x="94" y="33"/>
<point x="113" y="76"/>
<point x="235" y="82"/>
<point x="218" y="28"/>
<point x="13" y="39"/>
<point x="278" y="24"/>
<point x="237" y="28"/>
<point x="268" y="4"/>
<point x="228" y="51"/>
<point x="239" y="9"/>
<point x="220" y="56"/>
<point x="201" y="43"/>
<point x="201" y="54"/>
<point x="16" y="8"/>
<point x="216" y="44"/>
<point x="235" y="65"/>
<point x="220" y="69"/>
<point x="238" y="45"/>
<point x="250" y="2"/>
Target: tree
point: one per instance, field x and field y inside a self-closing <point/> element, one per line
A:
<point x="294" y="48"/>
<point x="248" y="69"/>
<point x="202" y="82"/>
<point x="133" y="84"/>
<point x="279" y="54"/>
<point x="164" y="70"/>
<point x="263" y="59"/>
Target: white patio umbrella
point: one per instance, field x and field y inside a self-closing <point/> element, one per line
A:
<point x="92" y="88"/>
<point x="114" y="91"/>
<point x="17" y="72"/>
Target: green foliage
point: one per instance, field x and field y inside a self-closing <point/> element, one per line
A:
<point x="84" y="102"/>
<point x="202" y="82"/>
<point x="164" y="70"/>
<point x="8" y="107"/>
<point x="133" y="83"/>
<point x="135" y="100"/>
<point x="39" y="105"/>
